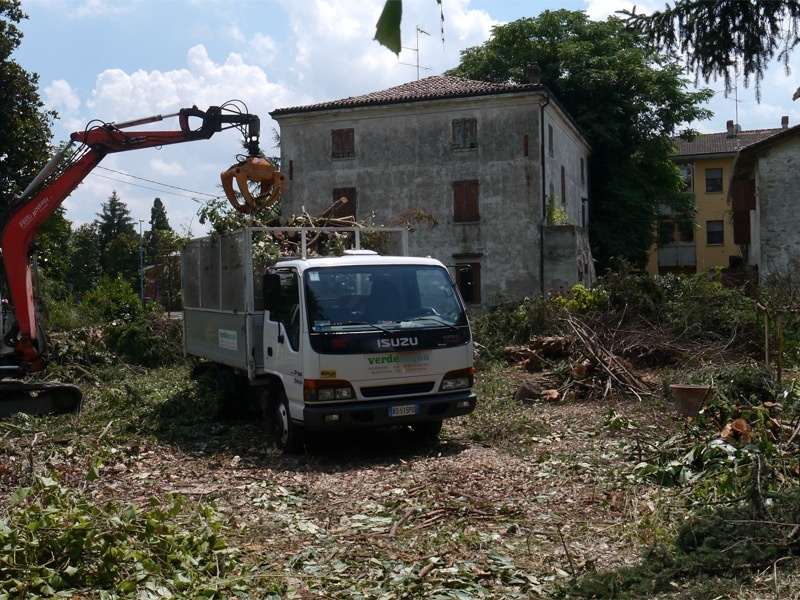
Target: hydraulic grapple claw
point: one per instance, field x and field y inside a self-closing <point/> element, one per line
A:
<point x="255" y="170"/>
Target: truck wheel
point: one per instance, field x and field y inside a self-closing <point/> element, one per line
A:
<point x="428" y="430"/>
<point x="288" y="436"/>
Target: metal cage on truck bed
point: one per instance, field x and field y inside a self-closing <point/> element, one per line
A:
<point x="222" y="282"/>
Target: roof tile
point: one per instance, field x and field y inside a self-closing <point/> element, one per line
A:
<point x="721" y="143"/>
<point x="430" y="88"/>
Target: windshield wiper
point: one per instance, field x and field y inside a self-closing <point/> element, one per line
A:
<point x="346" y="323"/>
<point x="438" y="320"/>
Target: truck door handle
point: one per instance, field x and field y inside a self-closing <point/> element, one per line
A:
<point x="269" y="351"/>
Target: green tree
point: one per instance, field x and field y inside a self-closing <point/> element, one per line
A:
<point x="627" y="98"/>
<point x="118" y="240"/>
<point x="121" y="258"/>
<point x="159" y="224"/>
<point x="713" y="36"/>
<point x="114" y="219"/>
<point x="24" y="124"/>
<point x="167" y="270"/>
<point x="84" y="258"/>
<point x="53" y="247"/>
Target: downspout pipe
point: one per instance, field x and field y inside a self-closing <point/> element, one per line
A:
<point x="542" y="153"/>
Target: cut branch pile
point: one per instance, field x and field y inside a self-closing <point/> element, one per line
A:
<point x="605" y="359"/>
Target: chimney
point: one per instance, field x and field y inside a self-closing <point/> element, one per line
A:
<point x="785" y="122"/>
<point x="534" y="73"/>
<point x="731" y="130"/>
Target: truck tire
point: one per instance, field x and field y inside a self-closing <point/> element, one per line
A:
<point x="288" y="436"/>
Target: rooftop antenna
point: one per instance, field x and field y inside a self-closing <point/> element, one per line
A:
<point x="419" y="30"/>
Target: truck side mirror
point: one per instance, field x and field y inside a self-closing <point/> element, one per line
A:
<point x="465" y="284"/>
<point x="272" y="293"/>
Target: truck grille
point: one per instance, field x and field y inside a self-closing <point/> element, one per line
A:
<point x="397" y="390"/>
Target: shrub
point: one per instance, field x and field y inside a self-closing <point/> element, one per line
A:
<point x="111" y="299"/>
<point x="514" y="323"/>
<point x="152" y="339"/>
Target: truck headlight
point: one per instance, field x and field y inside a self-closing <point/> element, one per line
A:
<point x="458" y="380"/>
<point x="321" y="390"/>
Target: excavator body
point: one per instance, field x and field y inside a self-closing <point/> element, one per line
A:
<point x="24" y="344"/>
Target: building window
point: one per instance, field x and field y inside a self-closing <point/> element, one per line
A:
<point x="715" y="233"/>
<point x="465" y="201"/>
<point x="713" y="180"/>
<point x="343" y="143"/>
<point x="468" y="281"/>
<point x="673" y="231"/>
<point x="687" y="172"/>
<point x="550" y="142"/>
<point x="583" y="171"/>
<point x="346" y="207"/>
<point x="465" y="134"/>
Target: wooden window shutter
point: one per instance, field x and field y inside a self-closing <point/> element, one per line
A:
<point x="465" y="201"/>
<point x="743" y="200"/>
<point x="343" y="143"/>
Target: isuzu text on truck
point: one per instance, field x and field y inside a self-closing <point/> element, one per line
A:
<point x="330" y="343"/>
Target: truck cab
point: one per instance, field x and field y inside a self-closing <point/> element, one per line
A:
<point x="356" y="340"/>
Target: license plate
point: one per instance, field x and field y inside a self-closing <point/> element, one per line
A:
<point x="403" y="411"/>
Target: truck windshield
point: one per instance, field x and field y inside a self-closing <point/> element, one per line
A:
<point x="381" y="296"/>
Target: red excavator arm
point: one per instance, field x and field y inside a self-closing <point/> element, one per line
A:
<point x="21" y="221"/>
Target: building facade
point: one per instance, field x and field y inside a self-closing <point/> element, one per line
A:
<point x="765" y="193"/>
<point x="708" y="243"/>
<point x="489" y="162"/>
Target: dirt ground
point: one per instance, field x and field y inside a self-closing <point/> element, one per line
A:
<point x="553" y="494"/>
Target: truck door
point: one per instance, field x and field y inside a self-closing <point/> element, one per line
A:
<point x="282" y="330"/>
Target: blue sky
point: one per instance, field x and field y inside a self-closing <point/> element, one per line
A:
<point x="119" y="60"/>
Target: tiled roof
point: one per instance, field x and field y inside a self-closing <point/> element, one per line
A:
<point x="721" y="143"/>
<point x="430" y="88"/>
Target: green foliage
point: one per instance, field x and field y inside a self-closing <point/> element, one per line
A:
<point x="85" y="258"/>
<point x="114" y="219"/>
<point x="56" y="542"/>
<point x="121" y="258"/>
<point x="627" y="98"/>
<point x="159" y="229"/>
<point x="512" y="323"/>
<point x="52" y="247"/>
<point x="223" y="218"/>
<point x="24" y="123"/>
<point x="152" y="339"/>
<point x="697" y="305"/>
<point x="387" y="29"/>
<point x="111" y="299"/>
<point x="556" y="214"/>
<point x="713" y="36"/>
<point x="583" y="300"/>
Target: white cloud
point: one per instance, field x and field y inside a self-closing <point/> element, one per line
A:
<point x="161" y="167"/>
<point x="60" y="96"/>
<point x="600" y="10"/>
<point x="262" y="50"/>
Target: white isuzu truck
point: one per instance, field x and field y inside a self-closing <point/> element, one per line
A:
<point x="353" y="340"/>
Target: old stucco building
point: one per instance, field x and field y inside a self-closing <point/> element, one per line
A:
<point x="765" y="188"/>
<point x="486" y="160"/>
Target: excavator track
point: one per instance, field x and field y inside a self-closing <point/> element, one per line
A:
<point x="38" y="398"/>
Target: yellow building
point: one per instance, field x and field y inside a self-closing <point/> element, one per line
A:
<point x="705" y="162"/>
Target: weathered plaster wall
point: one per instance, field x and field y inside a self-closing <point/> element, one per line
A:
<point x="404" y="158"/>
<point x="778" y="200"/>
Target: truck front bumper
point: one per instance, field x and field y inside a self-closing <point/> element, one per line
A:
<point x="400" y="411"/>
